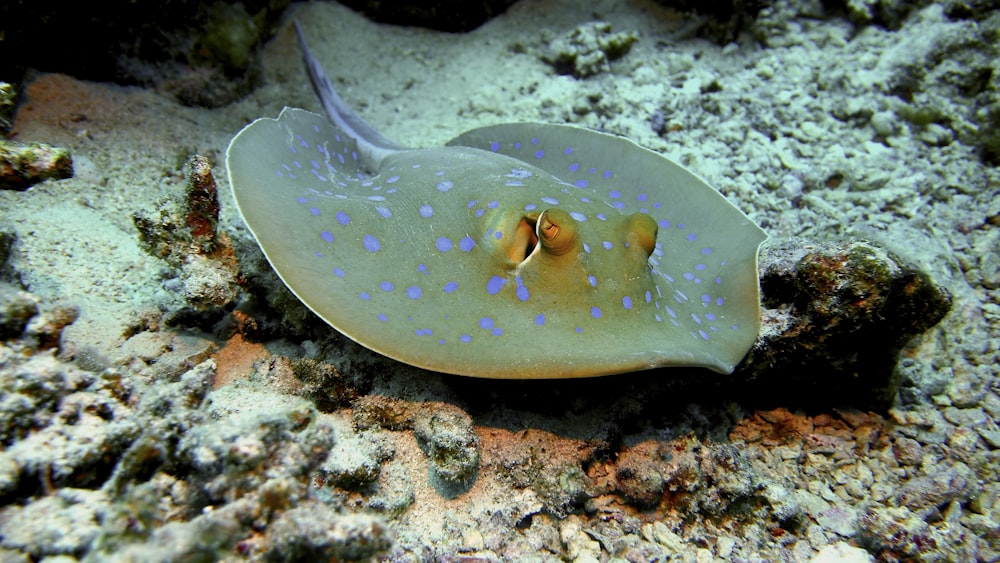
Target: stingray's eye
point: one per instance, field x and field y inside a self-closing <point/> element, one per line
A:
<point x="642" y="230"/>
<point x="556" y="231"/>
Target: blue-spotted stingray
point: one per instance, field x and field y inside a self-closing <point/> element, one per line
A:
<point x="521" y="250"/>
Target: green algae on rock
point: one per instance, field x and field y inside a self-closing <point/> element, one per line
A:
<point x="589" y="49"/>
<point x="836" y="310"/>
<point x="23" y="166"/>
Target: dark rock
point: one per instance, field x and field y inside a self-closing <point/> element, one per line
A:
<point x="835" y="317"/>
<point x="721" y="21"/>
<point x="443" y="15"/>
<point x="16" y="309"/>
<point x="202" y="52"/>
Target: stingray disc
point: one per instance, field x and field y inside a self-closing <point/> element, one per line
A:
<point x="519" y="251"/>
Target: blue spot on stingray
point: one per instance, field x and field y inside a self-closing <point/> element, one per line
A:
<point x="392" y="179"/>
<point x="586" y="248"/>
<point x="422" y="268"/>
<point x="466" y="244"/>
<point x="578" y="216"/>
<point x="581" y="183"/>
<point x="627" y="302"/>
<point x="372" y="244"/>
<point x="649" y="296"/>
<point x="592" y="281"/>
<point x="720" y="301"/>
<point x="414" y="292"/>
<point x="302" y="200"/>
<point x="384" y="212"/>
<point x="530" y="207"/>
<point x="718" y="280"/>
<point x="550" y="200"/>
<point x="327" y="236"/>
<point x="495" y="284"/>
<point x="343" y="218"/>
<point x="494" y="146"/>
<point x="568" y="151"/>
<point x="339" y="272"/>
<point x="700" y="267"/>
<point x="574" y="167"/>
<point x="607" y="174"/>
<point x="443" y="244"/>
<point x="608" y="245"/>
<point x="539" y="153"/>
<point x="703" y="334"/>
<point x="493" y="204"/>
<point x="486" y="323"/>
<point x="664" y="224"/>
<point x="450" y="287"/>
<point x="445" y="185"/>
<point x="498" y="235"/>
<point x="706" y="250"/>
<point x="382" y="317"/>
<point x="710" y="316"/>
<point x="522" y="292"/>
<point x="386" y="286"/>
<point x="497" y="331"/>
<point x="365" y="296"/>
<point x="426" y="211"/>
<point x="472" y="203"/>
<point x="595" y="312"/>
<point x="465" y="338"/>
<point x="641" y="197"/>
<point x="691" y="237"/>
<point x="314" y="210"/>
<point x="540" y="319"/>
<point x="579" y="330"/>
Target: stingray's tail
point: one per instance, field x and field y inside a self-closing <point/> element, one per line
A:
<point x="369" y="140"/>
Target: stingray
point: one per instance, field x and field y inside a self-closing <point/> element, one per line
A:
<point x="521" y="250"/>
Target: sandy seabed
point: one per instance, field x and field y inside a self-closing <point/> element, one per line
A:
<point x="816" y="126"/>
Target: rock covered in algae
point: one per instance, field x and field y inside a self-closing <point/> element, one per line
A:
<point x="832" y="311"/>
<point x="444" y="433"/>
<point x="95" y="464"/>
<point x="589" y="49"/>
<point x="8" y="97"/>
<point x="185" y="235"/>
<point x="23" y="166"/>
